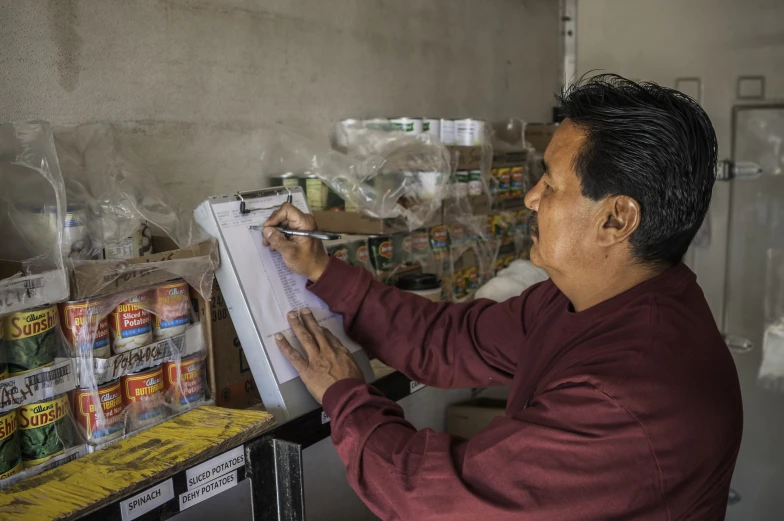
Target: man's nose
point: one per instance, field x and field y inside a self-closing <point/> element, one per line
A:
<point x="533" y="196"/>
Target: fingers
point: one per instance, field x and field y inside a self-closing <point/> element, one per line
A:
<point x="293" y="356"/>
<point x="303" y="335"/>
<point x="334" y="342"/>
<point x="317" y="331"/>
<point x="292" y="217"/>
<point x="277" y="241"/>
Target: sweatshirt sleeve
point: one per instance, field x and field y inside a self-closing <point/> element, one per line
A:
<point x="476" y="344"/>
<point x="555" y="461"/>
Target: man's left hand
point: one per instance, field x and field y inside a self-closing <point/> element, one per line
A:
<point x="327" y="361"/>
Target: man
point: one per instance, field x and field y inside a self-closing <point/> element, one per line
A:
<point x="624" y="400"/>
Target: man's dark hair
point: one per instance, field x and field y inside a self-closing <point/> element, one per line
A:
<point x="653" y="144"/>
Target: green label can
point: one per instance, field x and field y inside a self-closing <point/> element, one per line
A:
<point x="475" y="182"/>
<point x="44" y="430"/>
<point x="10" y="453"/>
<point x="31" y="339"/>
<point x="382" y="253"/>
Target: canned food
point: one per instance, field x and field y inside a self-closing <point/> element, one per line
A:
<point x="142" y="394"/>
<point x="86" y="327"/>
<point x="504" y="180"/>
<point x="130" y="325"/>
<point x="469" y="132"/>
<point x="172" y="305"/>
<point x="420" y="244"/>
<point x="31" y="339"/>
<point x="516" y="182"/>
<point x="137" y="244"/>
<point x="359" y="254"/>
<point x="286" y="180"/>
<point x="3" y="361"/>
<point x="439" y="240"/>
<point x="475" y="182"/>
<point x="494" y="182"/>
<point x="411" y="126"/>
<point x="402" y="247"/>
<point x="457" y="235"/>
<point x="10" y="452"/>
<point x="339" y="251"/>
<point x="185" y="386"/>
<point x="378" y="124"/>
<point x="448" y="132"/>
<point x="459" y="285"/>
<point x="76" y="238"/>
<point x="382" y="253"/>
<point x="44" y="430"/>
<point x="432" y="126"/>
<point x="462" y="178"/>
<point x="471" y="279"/>
<point x="315" y="192"/>
<point x="99" y="428"/>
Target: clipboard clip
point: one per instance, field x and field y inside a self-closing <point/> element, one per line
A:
<point x="244" y="210"/>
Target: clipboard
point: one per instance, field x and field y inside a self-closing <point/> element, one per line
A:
<point x="259" y="290"/>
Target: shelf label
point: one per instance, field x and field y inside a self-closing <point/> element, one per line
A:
<point x="146" y="501"/>
<point x="415" y="386"/>
<point x="207" y="490"/>
<point x="324" y="418"/>
<point x="215" y="467"/>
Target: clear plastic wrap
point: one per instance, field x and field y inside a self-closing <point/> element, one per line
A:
<point x="384" y="174"/>
<point x="114" y="204"/>
<point x="140" y="356"/>
<point x="32" y="210"/>
<point x="771" y="372"/>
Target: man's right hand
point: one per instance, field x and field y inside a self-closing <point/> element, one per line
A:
<point x="303" y="255"/>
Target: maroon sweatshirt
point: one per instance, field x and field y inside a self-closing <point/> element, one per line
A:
<point x="628" y="410"/>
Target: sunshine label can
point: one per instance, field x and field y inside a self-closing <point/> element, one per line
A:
<point x="44" y="431"/>
<point x="171" y="302"/>
<point x="31" y="339"/>
<point x="142" y="394"/>
<point x="131" y="325"/>
<point x="185" y="386"/>
<point x="97" y="427"/>
<point x="10" y="452"/>
<point x="3" y="361"/>
<point x="86" y="326"/>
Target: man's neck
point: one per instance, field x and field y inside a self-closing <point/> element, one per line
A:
<point x="588" y="290"/>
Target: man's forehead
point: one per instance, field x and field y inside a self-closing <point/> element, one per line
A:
<point x="564" y="146"/>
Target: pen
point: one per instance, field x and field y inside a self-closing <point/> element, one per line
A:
<point x="324" y="236"/>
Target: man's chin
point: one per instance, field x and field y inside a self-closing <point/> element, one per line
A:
<point x="534" y="254"/>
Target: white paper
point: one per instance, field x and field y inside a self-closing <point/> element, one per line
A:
<point x="270" y="288"/>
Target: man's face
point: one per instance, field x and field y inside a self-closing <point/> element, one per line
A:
<point x="564" y="226"/>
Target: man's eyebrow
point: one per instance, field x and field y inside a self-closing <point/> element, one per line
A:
<point x="544" y="167"/>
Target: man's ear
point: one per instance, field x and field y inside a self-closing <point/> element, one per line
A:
<point x="620" y="216"/>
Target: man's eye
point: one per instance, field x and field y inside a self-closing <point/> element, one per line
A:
<point x="546" y="186"/>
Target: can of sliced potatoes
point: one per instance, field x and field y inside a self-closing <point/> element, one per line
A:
<point x="142" y="394"/>
<point x="10" y="452"/>
<point x="171" y="302"/>
<point x="86" y="326"/>
<point x="131" y="324"/>
<point x="44" y="430"/>
<point x="184" y="385"/>
<point x="31" y="339"/>
<point x="109" y="423"/>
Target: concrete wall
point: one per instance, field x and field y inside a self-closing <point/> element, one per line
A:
<point x="717" y="41"/>
<point x="192" y="81"/>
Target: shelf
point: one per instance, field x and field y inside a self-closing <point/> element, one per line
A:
<point x="172" y="466"/>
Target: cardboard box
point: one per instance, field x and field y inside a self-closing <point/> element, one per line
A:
<point x="467" y="418"/>
<point x="18" y="293"/>
<point x="105" y="277"/>
<point x="361" y="224"/>
<point x="510" y="158"/>
<point x="229" y="376"/>
<point x="540" y="134"/>
<point x="467" y="158"/>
